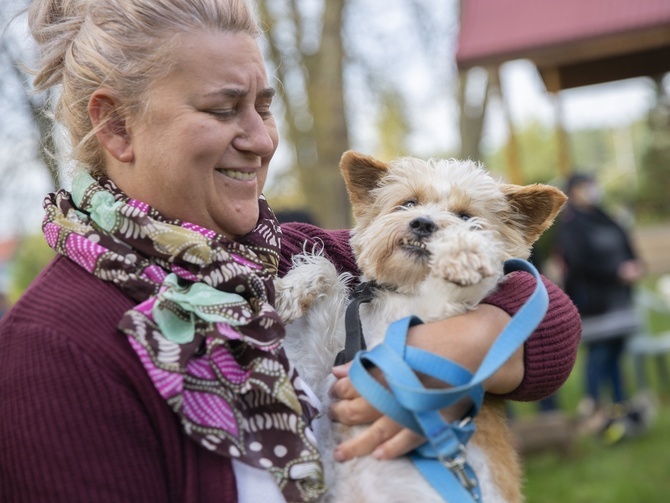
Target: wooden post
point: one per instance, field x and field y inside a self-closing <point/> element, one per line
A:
<point x="552" y="81"/>
<point x="564" y="157"/>
<point x="514" y="171"/>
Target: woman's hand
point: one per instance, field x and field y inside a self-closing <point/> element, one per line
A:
<point x="384" y="439"/>
<point x="464" y="339"/>
<point x="630" y="271"/>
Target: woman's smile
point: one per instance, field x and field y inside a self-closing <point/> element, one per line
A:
<point x="237" y="174"/>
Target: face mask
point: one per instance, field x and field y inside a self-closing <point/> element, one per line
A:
<point x="594" y="194"/>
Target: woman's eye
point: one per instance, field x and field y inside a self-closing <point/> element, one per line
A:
<point x="264" y="112"/>
<point x="223" y="114"/>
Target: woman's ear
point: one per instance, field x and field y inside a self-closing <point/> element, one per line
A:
<point x="104" y="109"/>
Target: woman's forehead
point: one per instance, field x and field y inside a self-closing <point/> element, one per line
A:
<point x="219" y="62"/>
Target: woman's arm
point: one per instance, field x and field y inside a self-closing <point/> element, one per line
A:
<point x="550" y="352"/>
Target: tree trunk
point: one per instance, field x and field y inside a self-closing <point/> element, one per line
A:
<point x="471" y="118"/>
<point x="322" y="180"/>
<point x="317" y="126"/>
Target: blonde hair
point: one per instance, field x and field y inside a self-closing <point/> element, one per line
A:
<point x="122" y="45"/>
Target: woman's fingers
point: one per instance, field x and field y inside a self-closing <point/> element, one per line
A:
<point x="353" y="411"/>
<point x="343" y="390"/>
<point x="399" y="445"/>
<point x="341" y="370"/>
<point x="348" y="407"/>
<point x="384" y="439"/>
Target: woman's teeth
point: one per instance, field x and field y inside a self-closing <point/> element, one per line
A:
<point x="238" y="175"/>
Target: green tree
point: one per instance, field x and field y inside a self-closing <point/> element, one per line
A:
<point x="538" y="154"/>
<point x="392" y="126"/>
<point x="32" y="256"/>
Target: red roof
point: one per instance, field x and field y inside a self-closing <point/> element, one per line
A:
<point x="494" y="31"/>
<point x="8" y="248"/>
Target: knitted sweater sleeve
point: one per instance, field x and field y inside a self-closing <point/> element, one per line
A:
<point x="549" y="353"/>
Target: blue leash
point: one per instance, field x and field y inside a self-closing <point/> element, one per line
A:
<point x="441" y="460"/>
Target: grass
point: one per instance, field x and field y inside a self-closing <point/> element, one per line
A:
<point x="635" y="470"/>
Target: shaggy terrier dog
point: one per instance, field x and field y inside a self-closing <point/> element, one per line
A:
<point x="433" y="235"/>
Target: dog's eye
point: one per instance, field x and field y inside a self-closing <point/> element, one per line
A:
<point x="409" y="204"/>
<point x="464" y="216"/>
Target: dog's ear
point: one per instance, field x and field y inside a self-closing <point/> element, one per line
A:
<point x="361" y="174"/>
<point x="537" y="205"/>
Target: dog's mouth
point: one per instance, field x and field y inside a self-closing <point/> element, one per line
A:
<point x="415" y="247"/>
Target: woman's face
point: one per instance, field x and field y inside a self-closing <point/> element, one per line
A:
<point x="202" y="145"/>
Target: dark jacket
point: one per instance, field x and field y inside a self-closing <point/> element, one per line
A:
<point x="593" y="246"/>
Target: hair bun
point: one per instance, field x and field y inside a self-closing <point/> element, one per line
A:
<point x="54" y="24"/>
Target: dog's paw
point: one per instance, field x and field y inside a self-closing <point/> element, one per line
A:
<point x="311" y="277"/>
<point x="464" y="259"/>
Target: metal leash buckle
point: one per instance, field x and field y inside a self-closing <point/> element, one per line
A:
<point x="457" y="466"/>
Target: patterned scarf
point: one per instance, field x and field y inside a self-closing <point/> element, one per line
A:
<point x="204" y="327"/>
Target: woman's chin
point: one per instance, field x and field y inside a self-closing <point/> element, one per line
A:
<point x="242" y="227"/>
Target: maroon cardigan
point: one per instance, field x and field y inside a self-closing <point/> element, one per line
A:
<point x="81" y="421"/>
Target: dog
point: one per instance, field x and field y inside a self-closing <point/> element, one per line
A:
<point x="434" y="234"/>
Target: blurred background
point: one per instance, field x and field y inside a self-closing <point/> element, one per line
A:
<point x="535" y="89"/>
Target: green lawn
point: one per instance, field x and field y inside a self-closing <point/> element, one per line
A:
<point x="635" y="470"/>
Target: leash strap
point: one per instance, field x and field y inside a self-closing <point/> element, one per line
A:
<point x="441" y="459"/>
<point x="355" y="341"/>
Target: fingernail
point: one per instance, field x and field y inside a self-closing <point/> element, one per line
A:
<point x="338" y="455"/>
<point x="378" y="453"/>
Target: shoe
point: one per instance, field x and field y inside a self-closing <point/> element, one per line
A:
<point x="613" y="432"/>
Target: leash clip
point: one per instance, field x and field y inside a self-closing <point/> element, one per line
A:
<point x="457" y="466"/>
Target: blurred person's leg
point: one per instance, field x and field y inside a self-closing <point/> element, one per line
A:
<point x="596" y="362"/>
<point x="613" y="371"/>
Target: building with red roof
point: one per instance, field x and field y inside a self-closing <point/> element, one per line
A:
<point x="572" y="43"/>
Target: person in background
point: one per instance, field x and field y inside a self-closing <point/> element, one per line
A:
<point x="600" y="267"/>
<point x="145" y="363"/>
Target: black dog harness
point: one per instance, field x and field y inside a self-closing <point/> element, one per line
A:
<point x="355" y="341"/>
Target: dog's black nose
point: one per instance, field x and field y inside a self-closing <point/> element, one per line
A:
<point x="422" y="227"/>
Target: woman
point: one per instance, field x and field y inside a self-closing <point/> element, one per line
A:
<point x="147" y="355"/>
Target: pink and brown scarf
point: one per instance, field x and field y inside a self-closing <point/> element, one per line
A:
<point x="204" y="327"/>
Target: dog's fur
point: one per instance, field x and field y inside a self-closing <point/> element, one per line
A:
<point x="435" y="234"/>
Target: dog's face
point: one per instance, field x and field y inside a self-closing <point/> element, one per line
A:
<point x="402" y="206"/>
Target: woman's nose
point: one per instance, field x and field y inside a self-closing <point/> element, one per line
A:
<point x="256" y="135"/>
